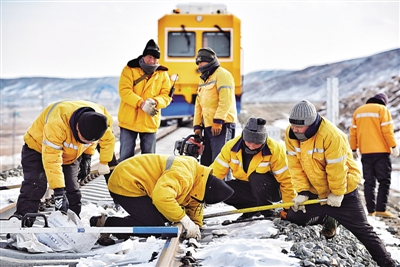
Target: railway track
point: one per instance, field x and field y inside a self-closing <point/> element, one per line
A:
<point x="94" y="191"/>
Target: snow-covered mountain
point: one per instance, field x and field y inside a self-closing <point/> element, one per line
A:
<point x="260" y="86"/>
<point x="310" y="83"/>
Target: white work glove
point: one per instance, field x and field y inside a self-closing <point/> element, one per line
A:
<point x="355" y="155"/>
<point x="297" y="203"/>
<point x="103" y="169"/>
<point x="334" y="201"/>
<point x="149" y="106"/>
<point x="395" y="151"/>
<point x="192" y="229"/>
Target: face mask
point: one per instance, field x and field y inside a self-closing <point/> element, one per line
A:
<point x="147" y="68"/>
<point x="301" y="136"/>
<point x="254" y="151"/>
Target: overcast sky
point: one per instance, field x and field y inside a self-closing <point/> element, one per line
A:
<point x="79" y="39"/>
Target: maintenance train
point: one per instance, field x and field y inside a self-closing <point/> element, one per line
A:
<point x="180" y="35"/>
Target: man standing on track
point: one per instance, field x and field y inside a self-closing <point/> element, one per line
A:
<point x="215" y="108"/>
<point x="144" y="88"/>
<point x="372" y="132"/>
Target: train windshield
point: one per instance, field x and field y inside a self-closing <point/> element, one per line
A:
<point x="181" y="44"/>
<point x="220" y="42"/>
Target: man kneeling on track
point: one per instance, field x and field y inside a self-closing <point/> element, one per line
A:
<point x="156" y="189"/>
<point x="259" y="166"/>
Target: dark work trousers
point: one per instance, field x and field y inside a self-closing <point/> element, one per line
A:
<point x="35" y="183"/>
<point x="213" y="144"/>
<point x="142" y="212"/>
<point x="127" y="140"/>
<point x="112" y="163"/>
<point x="350" y="215"/>
<point x="262" y="189"/>
<point x="376" y="168"/>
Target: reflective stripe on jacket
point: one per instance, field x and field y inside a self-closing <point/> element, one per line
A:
<point x="51" y="135"/>
<point x="372" y="129"/>
<point x="323" y="163"/>
<point x="157" y="87"/>
<point x="216" y="99"/>
<point x="171" y="182"/>
<point x="271" y="159"/>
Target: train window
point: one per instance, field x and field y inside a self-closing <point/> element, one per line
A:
<point x="220" y="42"/>
<point x="181" y="44"/>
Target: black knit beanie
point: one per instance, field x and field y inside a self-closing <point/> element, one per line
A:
<point x="216" y="190"/>
<point x="152" y="49"/>
<point x="380" y="98"/>
<point x="92" y="125"/>
<point x="255" y="131"/>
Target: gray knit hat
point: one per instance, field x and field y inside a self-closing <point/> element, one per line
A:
<point x="255" y="131"/>
<point x="205" y="54"/>
<point x="303" y="114"/>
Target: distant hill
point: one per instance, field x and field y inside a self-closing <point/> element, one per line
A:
<point x="310" y="83"/>
<point x="260" y="86"/>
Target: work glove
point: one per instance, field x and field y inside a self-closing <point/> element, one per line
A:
<point x="198" y="133"/>
<point x="149" y="106"/>
<point x="355" y="154"/>
<point x="395" y="151"/>
<point x="103" y="169"/>
<point x="334" y="201"/>
<point x="283" y="214"/>
<point x="297" y="203"/>
<point x="60" y="200"/>
<point x="84" y="166"/>
<point x="192" y="229"/>
<point x="216" y="129"/>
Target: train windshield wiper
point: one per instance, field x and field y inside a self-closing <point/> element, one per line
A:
<point x="226" y="34"/>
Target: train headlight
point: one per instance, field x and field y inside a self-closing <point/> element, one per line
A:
<point x="199" y="18"/>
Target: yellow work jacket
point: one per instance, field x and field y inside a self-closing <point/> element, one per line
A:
<point x="372" y="129"/>
<point x="51" y="135"/>
<point x="172" y="182"/>
<point x="272" y="158"/>
<point x="157" y="87"/>
<point x="216" y="99"/>
<point x="323" y="163"/>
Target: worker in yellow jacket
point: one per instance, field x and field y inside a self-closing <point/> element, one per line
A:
<point x="322" y="166"/>
<point x="215" y="113"/>
<point x="372" y="132"/>
<point x="53" y="149"/>
<point x="144" y="88"/>
<point x="155" y="189"/>
<point x="259" y="165"/>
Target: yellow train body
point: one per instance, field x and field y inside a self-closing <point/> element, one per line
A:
<point x="181" y="34"/>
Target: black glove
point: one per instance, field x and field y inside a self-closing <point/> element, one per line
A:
<point x="60" y="200"/>
<point x="84" y="166"/>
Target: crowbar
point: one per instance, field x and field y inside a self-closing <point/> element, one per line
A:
<point x="260" y="208"/>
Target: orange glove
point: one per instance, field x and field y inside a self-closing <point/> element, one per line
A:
<point x="216" y="129"/>
<point x="283" y="214"/>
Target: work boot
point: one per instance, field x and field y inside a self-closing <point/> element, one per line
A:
<point x="329" y="228"/>
<point x="105" y="240"/>
<point x="372" y="214"/>
<point x="384" y="214"/>
<point x="98" y="221"/>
